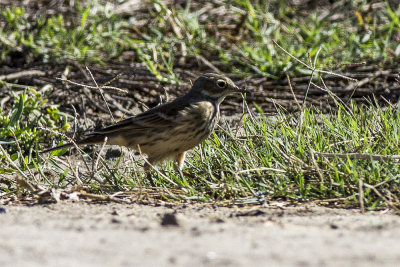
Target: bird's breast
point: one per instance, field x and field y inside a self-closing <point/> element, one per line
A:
<point x="196" y="122"/>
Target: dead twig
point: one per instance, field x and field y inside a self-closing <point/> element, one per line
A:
<point x="94" y="87"/>
<point x="101" y="93"/>
<point x="261" y="169"/>
<point x="291" y="90"/>
<point x="208" y="63"/>
<point x="96" y="197"/>
<point x="361" y="195"/>
<point x="358" y="156"/>
<point x="311" y="67"/>
<point x="99" y="154"/>
<point x="23" y="160"/>
<point x="25" y="73"/>
<point x="388" y="202"/>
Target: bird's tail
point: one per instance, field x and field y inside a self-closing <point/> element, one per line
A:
<point x="56" y="148"/>
<point x="90" y="140"/>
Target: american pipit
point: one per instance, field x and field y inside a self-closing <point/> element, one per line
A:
<point x="169" y="130"/>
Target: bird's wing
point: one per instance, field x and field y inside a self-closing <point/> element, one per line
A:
<point x="163" y="116"/>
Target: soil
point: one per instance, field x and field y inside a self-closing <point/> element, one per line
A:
<point x="84" y="234"/>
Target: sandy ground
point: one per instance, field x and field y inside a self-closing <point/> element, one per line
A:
<point x="82" y="234"/>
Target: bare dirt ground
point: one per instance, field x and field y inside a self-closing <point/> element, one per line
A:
<point x="82" y="234"/>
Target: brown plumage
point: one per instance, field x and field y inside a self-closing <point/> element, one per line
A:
<point x="169" y="130"/>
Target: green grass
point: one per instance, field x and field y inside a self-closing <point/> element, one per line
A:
<point x="278" y="158"/>
<point x="94" y="34"/>
<point x="25" y="125"/>
<point x="349" y="154"/>
<point x="266" y="158"/>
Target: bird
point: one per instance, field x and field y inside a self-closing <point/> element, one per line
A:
<point x="169" y="130"/>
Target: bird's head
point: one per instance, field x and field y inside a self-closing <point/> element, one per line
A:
<point x="215" y="86"/>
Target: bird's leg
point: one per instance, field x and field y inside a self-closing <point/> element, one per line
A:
<point x="180" y="160"/>
<point x="147" y="169"/>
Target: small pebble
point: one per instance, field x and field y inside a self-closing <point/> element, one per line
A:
<point x="333" y="226"/>
<point x="115" y="220"/>
<point x="114" y="212"/>
<point x="169" y="219"/>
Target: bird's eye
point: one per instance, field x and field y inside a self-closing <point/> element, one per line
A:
<point x="221" y="83"/>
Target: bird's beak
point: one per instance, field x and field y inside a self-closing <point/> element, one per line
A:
<point x="242" y="90"/>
